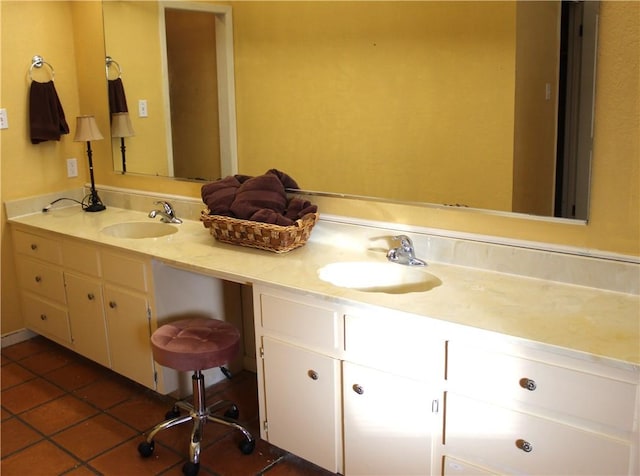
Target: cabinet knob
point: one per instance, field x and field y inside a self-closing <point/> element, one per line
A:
<point x="528" y="384"/>
<point x="43" y="317"/>
<point x="90" y="297"/>
<point x="34" y="246"/>
<point x="38" y="279"/>
<point x="112" y="304"/>
<point x="524" y="445"/>
<point x="358" y="389"/>
<point x="313" y="375"/>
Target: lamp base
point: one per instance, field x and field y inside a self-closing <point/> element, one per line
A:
<point x="93" y="202"/>
<point x="95" y="207"/>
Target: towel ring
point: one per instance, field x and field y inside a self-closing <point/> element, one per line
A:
<point x="108" y="62"/>
<point x="38" y="62"/>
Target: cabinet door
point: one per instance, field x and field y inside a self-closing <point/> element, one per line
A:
<point x="129" y="335"/>
<point x="86" y="316"/>
<point x="387" y="423"/>
<point x="302" y="402"/>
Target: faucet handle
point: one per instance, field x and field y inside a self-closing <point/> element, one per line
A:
<point x="166" y="205"/>
<point x="405" y="241"/>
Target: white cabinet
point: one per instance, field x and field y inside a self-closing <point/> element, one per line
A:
<point x="86" y="315"/>
<point x="41" y="282"/>
<point x="388" y="421"/>
<point x="85" y="300"/>
<point x="302" y="391"/>
<point x="128" y="315"/>
<point x="392" y="392"/>
<point x="537" y="414"/>
<point x="93" y="300"/>
<point x="299" y="376"/>
<point x="355" y="391"/>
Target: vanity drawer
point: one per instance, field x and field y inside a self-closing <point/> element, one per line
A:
<point x="306" y="323"/>
<point x="501" y="378"/>
<point x="41" y="278"/>
<point x="36" y="246"/>
<point x="46" y="318"/>
<point x="397" y="343"/>
<point x="516" y="442"/>
<point x="124" y="270"/>
<point x="81" y="257"/>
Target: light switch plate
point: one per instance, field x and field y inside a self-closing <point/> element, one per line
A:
<point x="4" y="120"/>
<point x="142" y="108"/>
<point x="72" y="168"/>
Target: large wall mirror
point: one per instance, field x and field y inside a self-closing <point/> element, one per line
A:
<point x="485" y="105"/>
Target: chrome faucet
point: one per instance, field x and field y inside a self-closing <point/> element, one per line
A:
<point x="167" y="215"/>
<point x="404" y="254"/>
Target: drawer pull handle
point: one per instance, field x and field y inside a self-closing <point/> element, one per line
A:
<point x="528" y="384"/>
<point x="34" y="246"/>
<point x="358" y="389"/>
<point x="43" y="317"/>
<point x="112" y="304"/>
<point x="38" y="279"/>
<point x="313" y="375"/>
<point x="90" y="297"/>
<point x="524" y="445"/>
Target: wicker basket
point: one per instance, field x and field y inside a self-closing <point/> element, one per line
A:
<point x="276" y="238"/>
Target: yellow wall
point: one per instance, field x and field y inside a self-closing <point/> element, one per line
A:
<point x="45" y="28"/>
<point x="351" y="93"/>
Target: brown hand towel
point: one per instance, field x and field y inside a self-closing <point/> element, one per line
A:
<point x="264" y="191"/>
<point x="117" y="97"/>
<point x="46" y="116"/>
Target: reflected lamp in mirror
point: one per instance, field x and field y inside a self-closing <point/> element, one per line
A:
<point x="86" y="131"/>
<point x="120" y="128"/>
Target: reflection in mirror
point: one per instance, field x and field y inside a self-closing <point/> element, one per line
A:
<point x="175" y="60"/>
<point x="479" y="104"/>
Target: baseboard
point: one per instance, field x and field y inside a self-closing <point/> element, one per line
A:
<point x="17" y="337"/>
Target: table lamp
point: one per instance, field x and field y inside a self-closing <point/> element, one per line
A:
<point x="86" y="131"/>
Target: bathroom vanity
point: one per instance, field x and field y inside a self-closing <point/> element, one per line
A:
<point x="482" y="373"/>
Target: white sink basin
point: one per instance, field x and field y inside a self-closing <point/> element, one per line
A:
<point x="140" y="229"/>
<point x="382" y="277"/>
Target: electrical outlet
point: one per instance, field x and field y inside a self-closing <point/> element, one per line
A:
<point x="142" y="108"/>
<point x="4" y="120"/>
<point x="72" y="168"/>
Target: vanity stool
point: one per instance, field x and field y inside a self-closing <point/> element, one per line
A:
<point x="194" y="345"/>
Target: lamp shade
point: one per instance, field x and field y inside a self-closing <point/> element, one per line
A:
<point x="87" y="129"/>
<point x="121" y="125"/>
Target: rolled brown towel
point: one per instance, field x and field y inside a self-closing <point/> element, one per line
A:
<point x="299" y="207"/>
<point x="219" y="195"/>
<point x="287" y="181"/>
<point x="264" y="191"/>
<point x="269" y="216"/>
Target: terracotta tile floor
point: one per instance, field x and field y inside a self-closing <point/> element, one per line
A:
<point x="63" y="414"/>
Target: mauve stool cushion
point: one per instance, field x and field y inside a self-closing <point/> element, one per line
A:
<point x="195" y="344"/>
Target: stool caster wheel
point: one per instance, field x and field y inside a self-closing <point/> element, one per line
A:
<point x="232" y="412"/>
<point x="146" y="449"/>
<point x="190" y="469"/>
<point x="247" y="446"/>
<point x="173" y="413"/>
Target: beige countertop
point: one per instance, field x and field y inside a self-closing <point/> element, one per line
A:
<point x="602" y="323"/>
